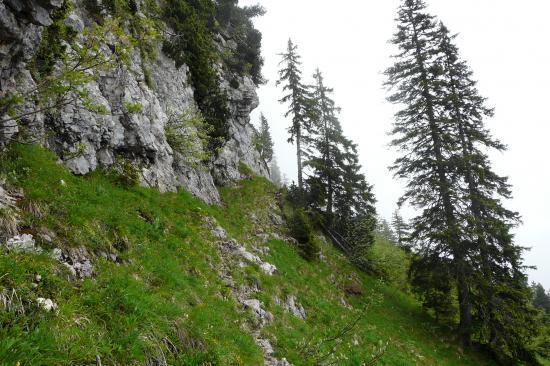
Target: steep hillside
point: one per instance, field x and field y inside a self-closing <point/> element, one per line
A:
<point x="136" y="276"/>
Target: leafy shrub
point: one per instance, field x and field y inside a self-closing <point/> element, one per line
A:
<point x="389" y="262"/>
<point x="144" y="26"/>
<point x="188" y="135"/>
<point x="125" y="173"/>
<point x="76" y="65"/>
<point x="53" y="44"/>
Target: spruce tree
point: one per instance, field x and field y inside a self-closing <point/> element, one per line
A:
<point x="501" y="303"/>
<point x="263" y="140"/>
<point x="297" y="98"/>
<point x="462" y="229"/>
<point x="401" y="230"/>
<point x="354" y="203"/>
<point x="428" y="147"/>
<point x="327" y="140"/>
<point x="540" y="298"/>
<point x="353" y="198"/>
<point x="335" y="186"/>
<point x="275" y="172"/>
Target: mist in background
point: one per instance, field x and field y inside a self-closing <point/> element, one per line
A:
<point x="506" y="45"/>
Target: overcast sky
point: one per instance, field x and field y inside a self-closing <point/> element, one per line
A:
<point x="507" y="44"/>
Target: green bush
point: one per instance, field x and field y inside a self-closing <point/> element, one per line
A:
<point x="125" y="173"/>
<point x="52" y="46"/>
<point x="302" y="230"/>
<point x="389" y="262"/>
<point x="188" y="135"/>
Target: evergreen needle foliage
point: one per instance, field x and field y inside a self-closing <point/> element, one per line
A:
<point x="263" y="141"/>
<point x="462" y="231"/>
<point x="296" y="96"/>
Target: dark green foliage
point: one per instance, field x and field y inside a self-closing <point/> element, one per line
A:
<point x="462" y="223"/>
<point x="433" y="281"/>
<point x="354" y="199"/>
<point x="263" y="141"/>
<point x="248" y="54"/>
<point x="195" y="22"/>
<point x="119" y="7"/>
<point x="302" y="230"/>
<point x="236" y="22"/>
<point x="358" y="231"/>
<point x="51" y="47"/>
<point x="541" y="299"/>
<point x="192" y="44"/>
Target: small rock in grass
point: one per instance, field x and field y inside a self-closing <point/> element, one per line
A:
<point x="268" y="268"/>
<point x="46" y="304"/>
<point x="23" y="243"/>
<point x="219" y="233"/>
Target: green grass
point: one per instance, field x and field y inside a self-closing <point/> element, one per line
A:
<point x="126" y="311"/>
<point x="167" y="290"/>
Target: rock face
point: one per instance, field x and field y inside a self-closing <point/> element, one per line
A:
<point x="86" y="140"/>
<point x="240" y="148"/>
<point x="21" y="25"/>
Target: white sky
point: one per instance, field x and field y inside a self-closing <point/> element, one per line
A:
<point x="507" y="44"/>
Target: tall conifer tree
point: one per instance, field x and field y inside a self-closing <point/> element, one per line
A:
<point x="297" y="98"/>
<point x="327" y="140"/>
<point x="463" y="226"/>
<point x="428" y="147"/>
<point x="401" y="229"/>
<point x="501" y="294"/>
<point x="263" y="140"/>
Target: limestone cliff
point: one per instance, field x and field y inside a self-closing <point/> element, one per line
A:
<point x="85" y="140"/>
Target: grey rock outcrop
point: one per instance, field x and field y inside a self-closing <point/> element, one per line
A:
<point x="77" y="261"/>
<point x="291" y="305"/>
<point x="240" y="148"/>
<point x="21" y="25"/>
<point x="85" y="140"/>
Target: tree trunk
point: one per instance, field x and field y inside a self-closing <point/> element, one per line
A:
<point x="465" y="326"/>
<point x="299" y="158"/>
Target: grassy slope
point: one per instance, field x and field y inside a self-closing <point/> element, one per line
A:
<point x="168" y="287"/>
